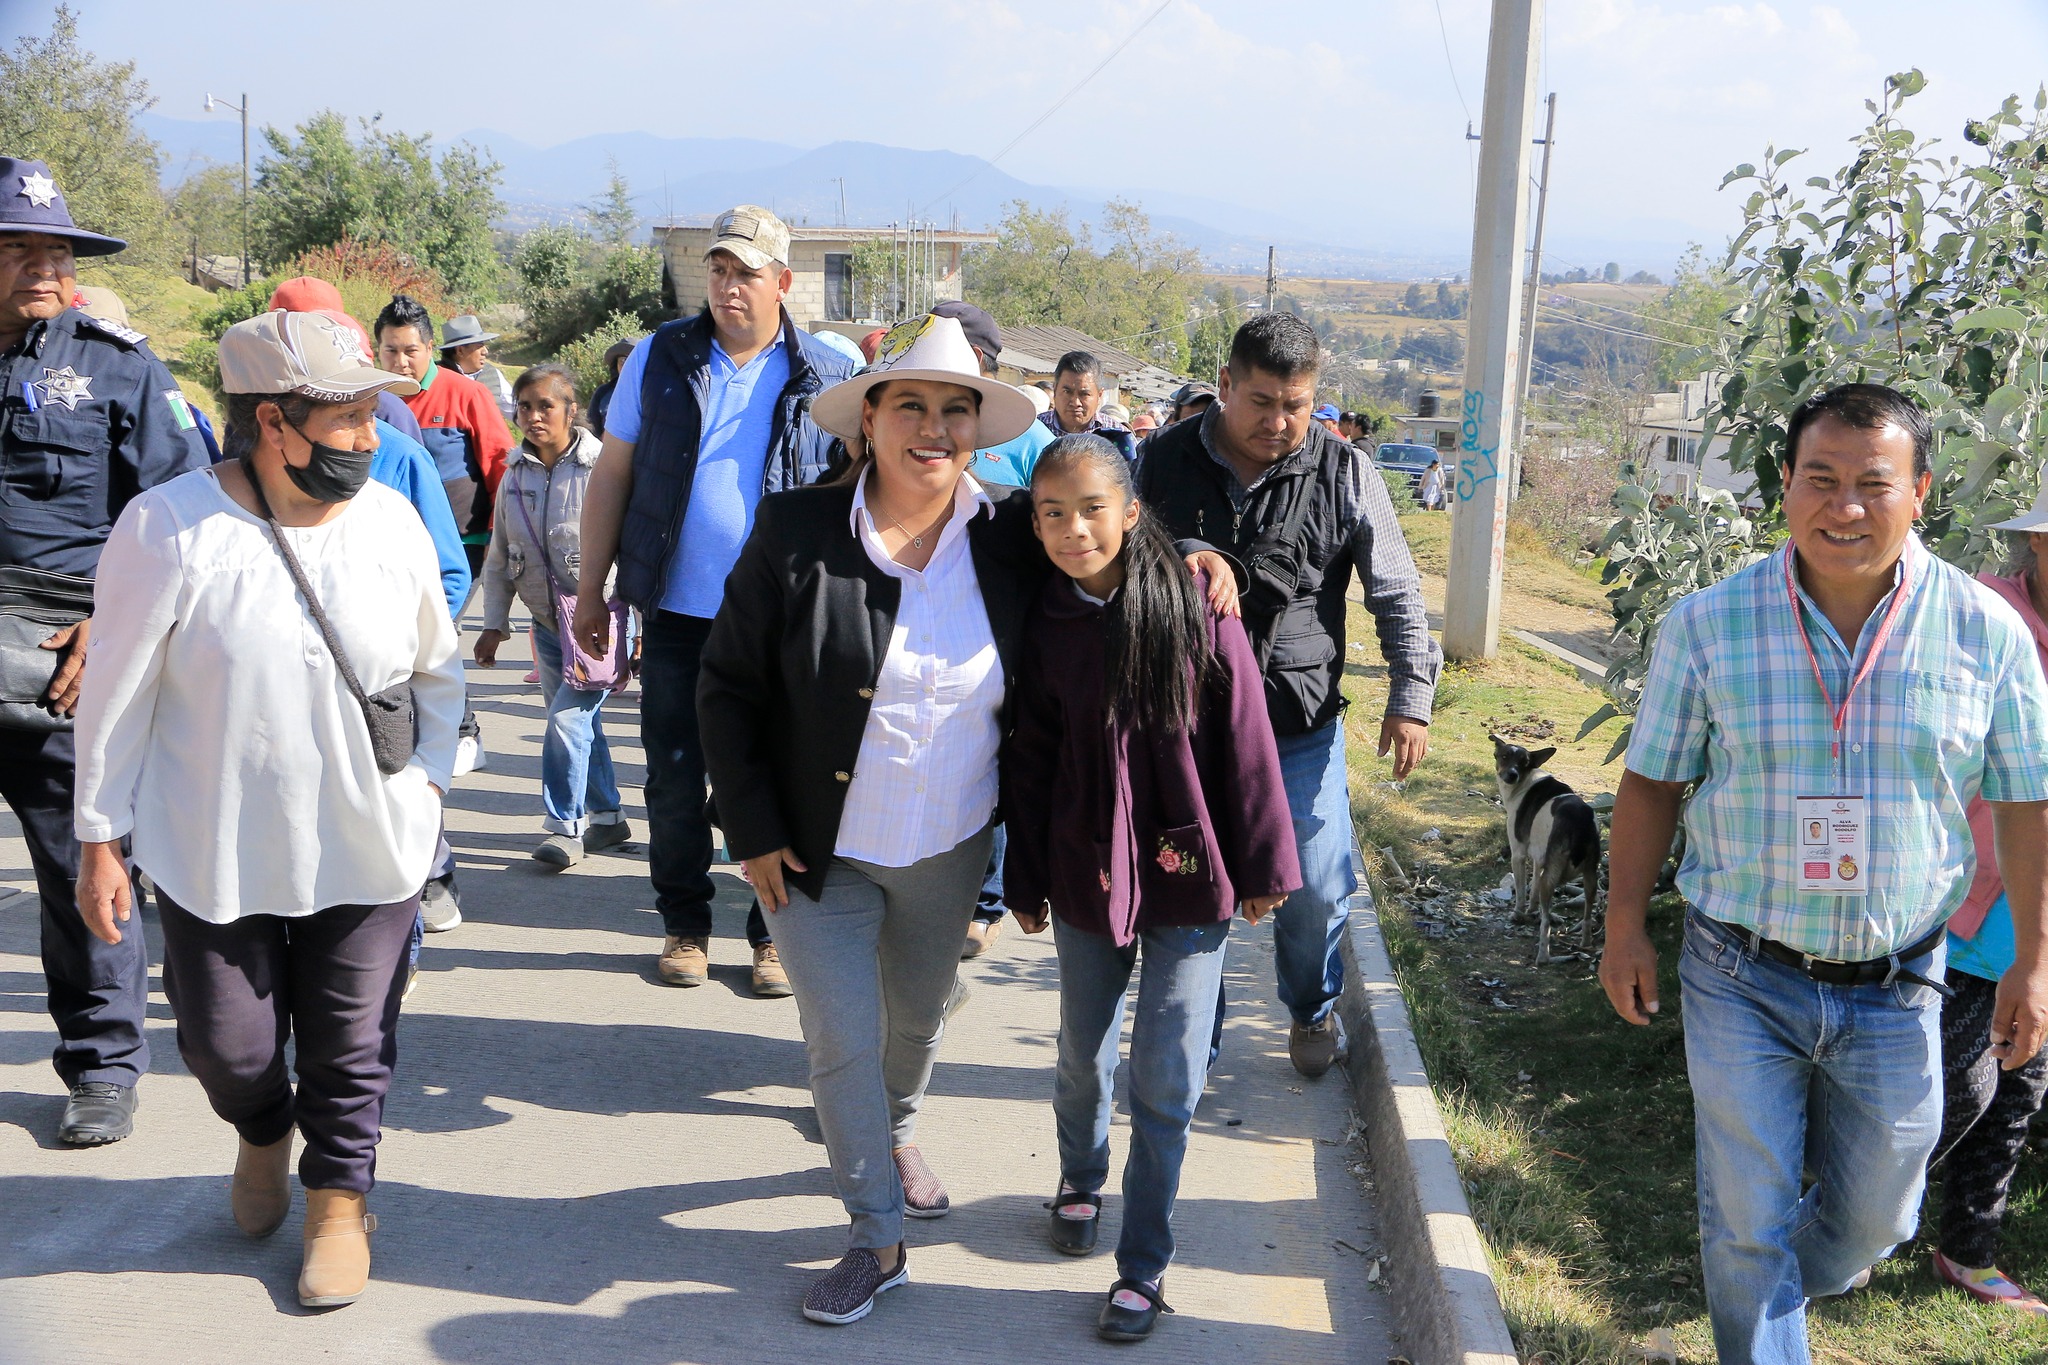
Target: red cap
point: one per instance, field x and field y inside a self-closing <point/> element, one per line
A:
<point x="307" y="294"/>
<point x="872" y="340"/>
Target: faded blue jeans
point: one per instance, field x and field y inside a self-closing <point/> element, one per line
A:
<point x="577" y="784"/>
<point x="1310" y="925"/>
<point x="1791" y="1076"/>
<point x="1180" y="970"/>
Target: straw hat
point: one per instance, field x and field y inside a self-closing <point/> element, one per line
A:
<point x="2035" y="520"/>
<point x="926" y="348"/>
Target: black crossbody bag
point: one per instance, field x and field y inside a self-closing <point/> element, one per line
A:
<point x="392" y="716"/>
<point x="34" y="605"/>
<point x="1272" y="570"/>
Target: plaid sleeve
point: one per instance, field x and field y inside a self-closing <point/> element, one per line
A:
<point x="2016" y="748"/>
<point x="1669" y="741"/>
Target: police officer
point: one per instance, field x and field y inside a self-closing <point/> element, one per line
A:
<point x="88" y="419"/>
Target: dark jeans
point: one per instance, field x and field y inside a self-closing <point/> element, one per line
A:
<point x="678" y="830"/>
<point x="1985" y="1113"/>
<point x="330" y="983"/>
<point x="988" y="906"/>
<point x="98" y="992"/>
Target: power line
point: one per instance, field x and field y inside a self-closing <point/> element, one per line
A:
<point x="1057" y="104"/>
<point x="1471" y="170"/>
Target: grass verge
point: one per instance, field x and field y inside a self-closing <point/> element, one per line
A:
<point x="1573" y="1130"/>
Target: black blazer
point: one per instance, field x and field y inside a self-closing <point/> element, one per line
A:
<point x="790" y="667"/>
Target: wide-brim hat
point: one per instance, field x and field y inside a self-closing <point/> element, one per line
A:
<point x="932" y="348"/>
<point x="312" y="354"/>
<point x="2033" y="520"/>
<point x="464" y="329"/>
<point x="31" y="202"/>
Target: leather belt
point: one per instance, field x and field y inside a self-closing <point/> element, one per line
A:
<point x="1875" y="971"/>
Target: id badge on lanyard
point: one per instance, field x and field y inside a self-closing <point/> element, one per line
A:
<point x="1831" y="833"/>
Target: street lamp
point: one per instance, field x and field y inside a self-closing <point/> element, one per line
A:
<point x="243" y="110"/>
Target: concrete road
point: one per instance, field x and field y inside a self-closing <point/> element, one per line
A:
<point x="580" y="1164"/>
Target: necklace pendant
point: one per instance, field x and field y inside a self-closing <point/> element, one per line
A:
<point x="917" y="542"/>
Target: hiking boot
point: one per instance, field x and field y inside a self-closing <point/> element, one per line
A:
<point x="981" y="936"/>
<point x="847" y="1291"/>
<point x="770" y="981"/>
<point x="684" y="961"/>
<point x="1313" y="1048"/>
<point x="97" y="1113"/>
<point x="559" y="850"/>
<point x="598" y="838"/>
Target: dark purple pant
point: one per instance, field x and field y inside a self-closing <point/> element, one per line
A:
<point x="329" y="981"/>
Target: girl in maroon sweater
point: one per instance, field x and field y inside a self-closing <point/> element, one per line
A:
<point x="1144" y="801"/>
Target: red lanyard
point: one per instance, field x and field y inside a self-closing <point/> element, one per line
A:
<point x="1884" y="634"/>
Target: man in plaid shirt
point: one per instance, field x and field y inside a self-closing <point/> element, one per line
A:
<point x="1838" y="703"/>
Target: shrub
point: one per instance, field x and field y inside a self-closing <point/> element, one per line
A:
<point x="1399" y="491"/>
<point x="584" y="357"/>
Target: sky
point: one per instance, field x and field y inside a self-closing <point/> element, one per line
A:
<point x="1335" y="109"/>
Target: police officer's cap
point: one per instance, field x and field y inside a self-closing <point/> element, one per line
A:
<point x="31" y="202"/>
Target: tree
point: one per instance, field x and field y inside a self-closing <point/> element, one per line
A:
<point x="320" y="187"/>
<point x="61" y="105"/>
<point x="572" y="284"/>
<point x="207" y="211"/>
<point x="1137" y="294"/>
<point x="1690" y="321"/>
<point x="613" y="216"/>
<point x="1411" y="301"/>
<point x="1920" y="271"/>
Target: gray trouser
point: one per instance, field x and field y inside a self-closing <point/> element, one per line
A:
<point x="872" y="962"/>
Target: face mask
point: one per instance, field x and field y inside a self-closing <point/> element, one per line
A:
<point x="331" y="475"/>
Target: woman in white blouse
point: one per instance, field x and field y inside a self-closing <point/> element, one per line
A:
<point x="219" y="732"/>
<point x="853" y="699"/>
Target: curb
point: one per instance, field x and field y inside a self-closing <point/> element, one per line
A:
<point x="1445" y="1304"/>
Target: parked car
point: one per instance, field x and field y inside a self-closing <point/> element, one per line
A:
<point x="1405" y="458"/>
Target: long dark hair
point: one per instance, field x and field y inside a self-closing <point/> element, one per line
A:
<point x="1157" y="650"/>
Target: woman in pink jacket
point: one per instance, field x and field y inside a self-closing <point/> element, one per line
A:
<point x="1986" y="1110"/>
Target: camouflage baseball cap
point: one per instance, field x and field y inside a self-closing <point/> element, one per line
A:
<point x="752" y="234"/>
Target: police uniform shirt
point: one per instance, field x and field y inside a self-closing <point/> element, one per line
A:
<point x="89" y="417"/>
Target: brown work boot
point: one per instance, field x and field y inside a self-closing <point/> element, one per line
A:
<point x="685" y="961"/>
<point x="981" y="936"/>
<point x="262" y="1193"/>
<point x="770" y="981"/>
<point x="337" y="1265"/>
<point x="1314" y="1048"/>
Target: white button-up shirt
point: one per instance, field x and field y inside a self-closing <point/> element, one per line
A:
<point x="926" y="776"/>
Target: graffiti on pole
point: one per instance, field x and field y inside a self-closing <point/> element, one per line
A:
<point x="1476" y="466"/>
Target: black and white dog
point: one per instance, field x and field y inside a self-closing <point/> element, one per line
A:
<point x="1552" y="836"/>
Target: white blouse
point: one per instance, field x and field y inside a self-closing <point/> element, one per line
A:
<point x="214" y="727"/>
<point x="925" y="779"/>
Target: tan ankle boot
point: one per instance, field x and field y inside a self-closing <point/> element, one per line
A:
<point x="337" y="1266"/>
<point x="262" y="1192"/>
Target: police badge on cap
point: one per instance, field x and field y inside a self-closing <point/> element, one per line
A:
<point x="31" y="202"/>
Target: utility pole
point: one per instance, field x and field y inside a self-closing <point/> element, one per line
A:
<point x="1272" y="279"/>
<point x="1488" y="414"/>
<point x="1534" y="287"/>
<point x="842" y="199"/>
<point x="243" y="110"/>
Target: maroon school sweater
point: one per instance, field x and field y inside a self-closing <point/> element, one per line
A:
<point x="1120" y="830"/>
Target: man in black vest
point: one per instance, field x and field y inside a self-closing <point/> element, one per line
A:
<point x="88" y="419"/>
<point x="1257" y="476"/>
<point x="710" y="414"/>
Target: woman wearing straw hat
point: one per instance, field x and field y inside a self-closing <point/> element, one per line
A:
<point x="853" y="699"/>
<point x="1987" y="1110"/>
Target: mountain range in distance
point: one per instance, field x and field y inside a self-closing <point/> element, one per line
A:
<point x="689" y="179"/>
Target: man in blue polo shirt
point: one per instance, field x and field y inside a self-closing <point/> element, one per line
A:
<point x="710" y="414"/>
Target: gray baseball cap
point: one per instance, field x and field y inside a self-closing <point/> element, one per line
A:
<point x="752" y="234"/>
<point x="304" y="353"/>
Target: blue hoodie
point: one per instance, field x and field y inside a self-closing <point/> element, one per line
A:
<point x="403" y="463"/>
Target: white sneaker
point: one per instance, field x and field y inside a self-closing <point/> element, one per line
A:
<point x="470" y="755"/>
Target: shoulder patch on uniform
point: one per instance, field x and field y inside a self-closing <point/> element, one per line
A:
<point x="126" y="335"/>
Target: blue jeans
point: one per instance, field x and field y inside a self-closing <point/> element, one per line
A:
<point x="577" y="785"/>
<point x="678" y="830"/>
<point x="1791" y="1076"/>
<point x="988" y="906"/>
<point x="1177" y="986"/>
<point x="1310" y="925"/>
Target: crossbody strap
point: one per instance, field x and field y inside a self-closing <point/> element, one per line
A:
<point x="547" y="563"/>
<point x="298" y="573"/>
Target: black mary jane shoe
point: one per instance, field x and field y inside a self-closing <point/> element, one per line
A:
<point x="1130" y="1324"/>
<point x="1074" y="1236"/>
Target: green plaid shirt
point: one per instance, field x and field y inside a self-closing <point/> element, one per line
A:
<point x="1954" y="707"/>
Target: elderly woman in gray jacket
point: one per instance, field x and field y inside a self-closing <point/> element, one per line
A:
<point x="536" y="550"/>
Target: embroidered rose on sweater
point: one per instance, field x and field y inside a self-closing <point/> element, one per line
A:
<point x="1176" y="862"/>
<point x="1105" y="880"/>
